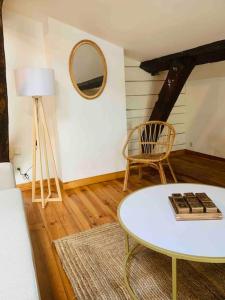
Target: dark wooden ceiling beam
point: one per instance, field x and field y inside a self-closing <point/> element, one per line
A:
<point x="180" y="66"/>
<point x="171" y="89"/>
<point x="4" y="129"/>
<point x="209" y="53"/>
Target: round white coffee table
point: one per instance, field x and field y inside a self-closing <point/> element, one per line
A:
<point x="147" y="217"/>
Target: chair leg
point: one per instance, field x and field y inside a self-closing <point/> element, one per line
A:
<point x="140" y="173"/>
<point x="162" y="174"/>
<point x="171" y="170"/>
<point x="126" y="176"/>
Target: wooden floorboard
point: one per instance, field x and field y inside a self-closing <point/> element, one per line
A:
<point x="90" y="206"/>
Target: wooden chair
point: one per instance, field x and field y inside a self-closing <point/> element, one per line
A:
<point x="155" y="140"/>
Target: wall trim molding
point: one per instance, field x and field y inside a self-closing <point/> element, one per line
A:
<point x="203" y="155"/>
<point x="28" y="185"/>
<point x="177" y="152"/>
<point x="86" y="181"/>
<point x="92" y="180"/>
<point x="75" y="183"/>
<point x="110" y="176"/>
<point x="25" y="186"/>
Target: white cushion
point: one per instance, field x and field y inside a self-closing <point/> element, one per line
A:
<point x="17" y="274"/>
<point x="7" y="179"/>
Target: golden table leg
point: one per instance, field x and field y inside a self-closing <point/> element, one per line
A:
<point x="127" y="246"/>
<point x="128" y="256"/>
<point x="174" y="278"/>
<point x="129" y="252"/>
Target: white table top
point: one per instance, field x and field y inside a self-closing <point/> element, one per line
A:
<point x="147" y="215"/>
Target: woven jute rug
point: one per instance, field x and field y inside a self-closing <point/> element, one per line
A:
<point x="93" y="262"/>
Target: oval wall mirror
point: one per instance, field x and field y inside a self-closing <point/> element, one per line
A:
<point x="88" y="70"/>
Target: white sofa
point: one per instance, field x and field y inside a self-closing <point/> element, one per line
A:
<point x="17" y="272"/>
<point x="7" y="178"/>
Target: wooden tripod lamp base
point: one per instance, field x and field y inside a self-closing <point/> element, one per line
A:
<point x="32" y="82"/>
<point x="41" y="145"/>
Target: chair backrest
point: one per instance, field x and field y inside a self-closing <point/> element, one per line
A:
<point x="153" y="137"/>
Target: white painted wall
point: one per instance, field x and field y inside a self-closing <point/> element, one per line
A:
<point x="198" y="115"/>
<point x="205" y="115"/>
<point x="24" y="46"/>
<point x="142" y="91"/>
<point x="88" y="134"/>
<point x="145" y="28"/>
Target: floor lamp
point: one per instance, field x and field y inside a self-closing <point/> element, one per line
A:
<point x="38" y="82"/>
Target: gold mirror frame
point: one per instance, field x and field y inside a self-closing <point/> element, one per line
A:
<point x="72" y="73"/>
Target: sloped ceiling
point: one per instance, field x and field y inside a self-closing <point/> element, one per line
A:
<point x="145" y="28"/>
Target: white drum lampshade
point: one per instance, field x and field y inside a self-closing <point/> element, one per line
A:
<point x="35" y="82"/>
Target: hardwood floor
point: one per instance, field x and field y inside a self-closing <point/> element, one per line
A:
<point x="92" y="205"/>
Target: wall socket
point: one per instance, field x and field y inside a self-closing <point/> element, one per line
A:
<point x="24" y="175"/>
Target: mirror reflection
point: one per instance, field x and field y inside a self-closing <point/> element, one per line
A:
<point x="88" y="69"/>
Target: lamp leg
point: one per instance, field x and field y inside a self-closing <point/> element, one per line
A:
<point x="46" y="160"/>
<point x="51" y="152"/>
<point x="33" y="153"/>
<point x="37" y="115"/>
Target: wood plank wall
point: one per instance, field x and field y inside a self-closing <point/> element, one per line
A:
<point x="142" y="91"/>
